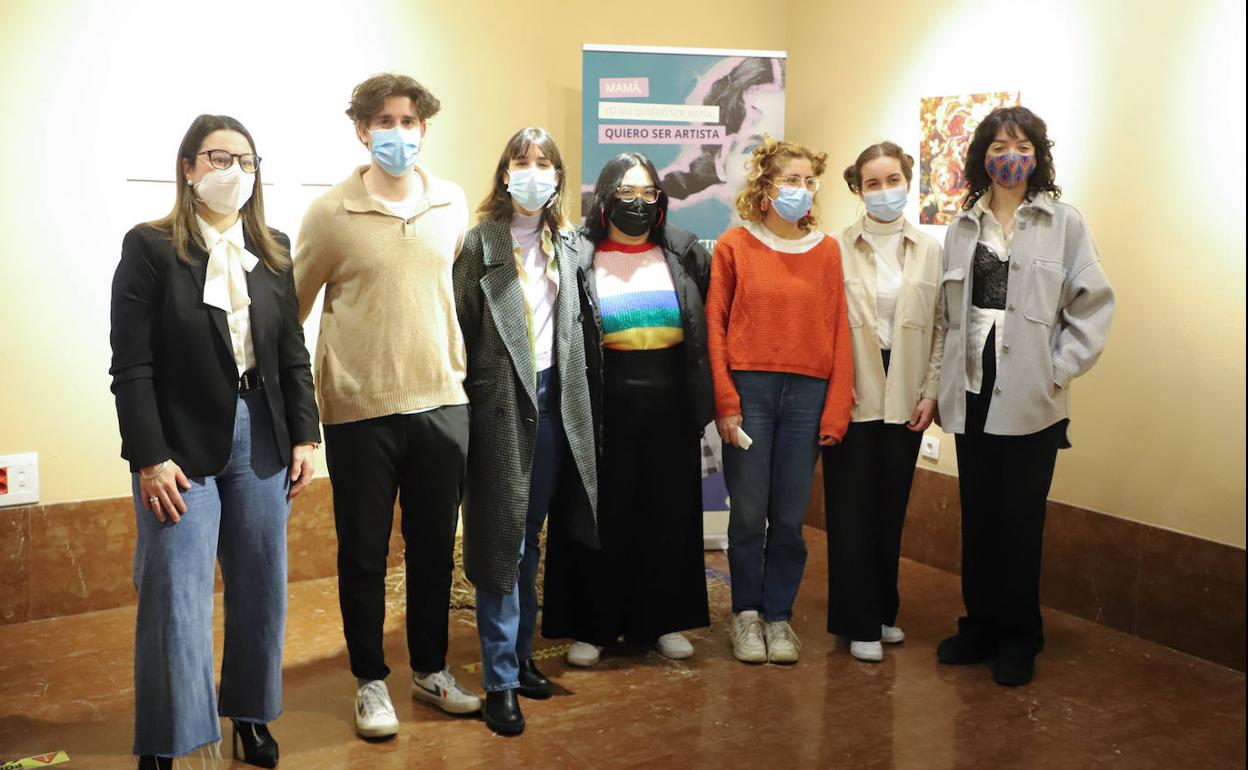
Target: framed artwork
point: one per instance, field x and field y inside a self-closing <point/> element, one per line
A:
<point x="946" y="126"/>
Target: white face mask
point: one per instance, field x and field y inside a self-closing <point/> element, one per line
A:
<point x="225" y="191"/>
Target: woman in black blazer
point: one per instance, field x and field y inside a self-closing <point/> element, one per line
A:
<point x="219" y="422"/>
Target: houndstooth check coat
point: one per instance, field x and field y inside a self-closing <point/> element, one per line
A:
<point x="502" y="391"/>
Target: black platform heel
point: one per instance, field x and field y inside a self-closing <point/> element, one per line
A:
<point x="258" y="746"/>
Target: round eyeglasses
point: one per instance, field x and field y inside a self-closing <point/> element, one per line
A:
<point x="796" y="182"/>
<point x="223" y="159"/>
<point x="630" y="194"/>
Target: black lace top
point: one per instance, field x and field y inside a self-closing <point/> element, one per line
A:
<point x="992" y="278"/>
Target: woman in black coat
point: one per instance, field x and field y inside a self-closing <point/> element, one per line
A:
<point x="645" y="330"/>
<point x="531" y="441"/>
<point x="219" y="422"/>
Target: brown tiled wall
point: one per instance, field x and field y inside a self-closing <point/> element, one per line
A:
<point x="1174" y="589"/>
<point x="1167" y="587"/>
<point x="68" y="558"/>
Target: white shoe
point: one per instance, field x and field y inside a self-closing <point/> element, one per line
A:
<point x="441" y="689"/>
<point x="374" y="713"/>
<point x="583" y="654"/>
<point x="872" y="652"/>
<point x="782" y="644"/>
<point x="892" y="635"/>
<point x="747" y="637"/>
<point x="675" y="646"/>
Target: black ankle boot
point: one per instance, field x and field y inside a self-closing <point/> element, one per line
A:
<point x="155" y="763"/>
<point x="533" y="683"/>
<point x="964" y="649"/>
<point x="258" y="746"/>
<point x="502" y="712"/>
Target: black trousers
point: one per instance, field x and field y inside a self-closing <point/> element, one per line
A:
<point x="1004" y="484"/>
<point x="649" y="578"/>
<point x="866" y="486"/>
<point x="421" y="457"/>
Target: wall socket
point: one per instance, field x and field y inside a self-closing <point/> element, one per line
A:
<point x="19" y="479"/>
<point x="930" y="448"/>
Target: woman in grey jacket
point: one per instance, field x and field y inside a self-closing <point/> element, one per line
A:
<point x="531" y="438"/>
<point x="1027" y="309"/>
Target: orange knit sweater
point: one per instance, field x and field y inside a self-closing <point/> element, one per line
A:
<point x="773" y="311"/>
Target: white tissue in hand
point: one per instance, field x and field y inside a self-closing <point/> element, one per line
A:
<point x="743" y="439"/>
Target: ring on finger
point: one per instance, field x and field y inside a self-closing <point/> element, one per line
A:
<point x="153" y="500"/>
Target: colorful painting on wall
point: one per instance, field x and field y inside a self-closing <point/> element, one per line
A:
<point x="946" y="125"/>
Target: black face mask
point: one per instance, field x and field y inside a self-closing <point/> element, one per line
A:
<point x="633" y="219"/>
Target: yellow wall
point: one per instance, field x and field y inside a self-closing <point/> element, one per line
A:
<point x="95" y="93"/>
<point x="1146" y="104"/>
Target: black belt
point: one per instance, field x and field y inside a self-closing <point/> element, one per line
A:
<point x="249" y="381"/>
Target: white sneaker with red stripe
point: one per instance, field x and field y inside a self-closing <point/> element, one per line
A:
<point x="374" y="713"/>
<point x="441" y="689"/>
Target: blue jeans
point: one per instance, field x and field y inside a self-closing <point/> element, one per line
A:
<point x="239" y="518"/>
<point x="506" y="621"/>
<point x="769" y="487"/>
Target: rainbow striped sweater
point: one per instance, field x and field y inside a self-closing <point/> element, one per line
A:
<point x="638" y="301"/>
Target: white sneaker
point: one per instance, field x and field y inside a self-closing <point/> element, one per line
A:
<point x="747" y="637"/>
<point x="583" y="654"/>
<point x="892" y="634"/>
<point x="675" y="646"/>
<point x="782" y="644"/>
<point x="441" y="689"/>
<point x="374" y="713"/>
<point x="872" y="652"/>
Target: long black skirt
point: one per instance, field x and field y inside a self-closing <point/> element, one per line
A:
<point x="649" y="578"/>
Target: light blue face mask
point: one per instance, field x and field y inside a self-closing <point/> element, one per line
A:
<point x="885" y="205"/>
<point x="793" y="203"/>
<point x="531" y="188"/>
<point x="395" y="149"/>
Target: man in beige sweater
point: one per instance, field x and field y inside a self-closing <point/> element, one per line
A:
<point x="390" y="369"/>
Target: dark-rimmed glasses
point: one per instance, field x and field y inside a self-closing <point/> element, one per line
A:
<point x="223" y="159"/>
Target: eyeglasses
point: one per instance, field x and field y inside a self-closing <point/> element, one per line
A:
<point x="630" y="194"/>
<point x="223" y="159"/>
<point x="794" y="182"/>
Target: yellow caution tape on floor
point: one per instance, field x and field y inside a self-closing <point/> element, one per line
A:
<point x="40" y="760"/>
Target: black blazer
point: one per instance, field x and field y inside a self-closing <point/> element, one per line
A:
<point x="173" y="369"/>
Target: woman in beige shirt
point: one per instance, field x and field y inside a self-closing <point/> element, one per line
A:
<point x="891" y="276"/>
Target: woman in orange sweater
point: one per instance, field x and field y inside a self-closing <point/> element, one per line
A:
<point x="779" y="344"/>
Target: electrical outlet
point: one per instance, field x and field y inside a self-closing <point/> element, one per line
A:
<point x="931" y="448"/>
<point x="19" y="479"/>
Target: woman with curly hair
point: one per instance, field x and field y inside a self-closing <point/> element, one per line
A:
<point x="779" y="344"/>
<point x="1027" y="308"/>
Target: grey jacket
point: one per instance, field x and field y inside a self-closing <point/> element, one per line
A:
<point x="1058" y="308"/>
<point x="502" y="391"/>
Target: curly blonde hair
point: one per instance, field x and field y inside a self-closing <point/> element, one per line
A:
<point x="763" y="166"/>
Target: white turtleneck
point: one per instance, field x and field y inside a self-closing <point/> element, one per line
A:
<point x="539" y="280"/>
<point x="885" y="238"/>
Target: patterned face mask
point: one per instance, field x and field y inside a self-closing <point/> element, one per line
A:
<point x="1011" y="169"/>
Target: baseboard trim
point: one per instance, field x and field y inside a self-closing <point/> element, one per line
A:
<point x="1178" y="590"/>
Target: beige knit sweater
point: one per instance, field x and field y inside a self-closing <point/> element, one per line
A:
<point x="390" y="341"/>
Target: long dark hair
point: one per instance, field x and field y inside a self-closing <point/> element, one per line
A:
<point x="1014" y="120"/>
<point x="180" y="223"/>
<point x="497" y="204"/>
<point x="595" y="228"/>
